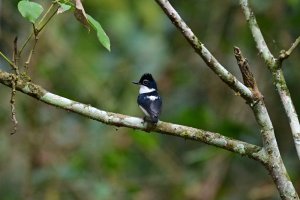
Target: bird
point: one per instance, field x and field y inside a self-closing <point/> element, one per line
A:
<point x="148" y="99"/>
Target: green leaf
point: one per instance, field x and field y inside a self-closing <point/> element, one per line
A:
<point x="102" y="37"/>
<point x="63" y="8"/>
<point x="30" y="10"/>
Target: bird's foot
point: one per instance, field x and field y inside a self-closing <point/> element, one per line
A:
<point x="149" y="123"/>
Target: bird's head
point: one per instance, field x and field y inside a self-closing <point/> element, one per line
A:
<point x="147" y="83"/>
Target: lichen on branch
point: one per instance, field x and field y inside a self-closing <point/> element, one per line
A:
<point x="120" y="120"/>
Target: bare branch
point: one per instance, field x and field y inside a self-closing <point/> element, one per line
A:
<point x="24" y="45"/>
<point x="257" y="35"/>
<point x="274" y="163"/>
<point x="119" y="120"/>
<point x="32" y="51"/>
<point x="285" y="54"/>
<point x="288" y="106"/>
<point x="202" y="51"/>
<point x="12" y="103"/>
<point x="14" y="67"/>
<point x="277" y="171"/>
<point x="277" y="74"/>
<point x="47" y="13"/>
<point x="15" y="52"/>
<point x="48" y="20"/>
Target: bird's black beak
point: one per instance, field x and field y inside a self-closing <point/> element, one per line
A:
<point x="137" y="83"/>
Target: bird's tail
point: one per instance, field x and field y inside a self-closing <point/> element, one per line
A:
<point x="154" y="119"/>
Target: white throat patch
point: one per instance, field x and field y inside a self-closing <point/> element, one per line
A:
<point x="144" y="89"/>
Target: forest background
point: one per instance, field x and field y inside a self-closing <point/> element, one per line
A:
<point x="60" y="155"/>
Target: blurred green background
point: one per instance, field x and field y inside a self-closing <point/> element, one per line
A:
<point x="60" y="155"/>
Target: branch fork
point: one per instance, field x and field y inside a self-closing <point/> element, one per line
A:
<point x="268" y="155"/>
<point x="284" y="54"/>
<point x="248" y="90"/>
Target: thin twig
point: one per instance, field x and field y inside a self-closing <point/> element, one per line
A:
<point x="285" y="54"/>
<point x="15" y="52"/>
<point x="43" y="26"/>
<point x="47" y="12"/>
<point x="15" y="57"/>
<point x="10" y="63"/>
<point x="12" y="103"/>
<point x="32" y="50"/>
<point x="25" y="43"/>
<point x="39" y="29"/>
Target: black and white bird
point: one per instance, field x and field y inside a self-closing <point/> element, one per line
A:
<point x="149" y="100"/>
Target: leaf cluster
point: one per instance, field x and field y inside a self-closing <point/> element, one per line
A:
<point x="32" y="11"/>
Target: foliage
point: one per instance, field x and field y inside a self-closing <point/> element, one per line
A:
<point x="30" y="10"/>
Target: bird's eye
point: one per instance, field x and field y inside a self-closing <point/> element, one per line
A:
<point x="145" y="82"/>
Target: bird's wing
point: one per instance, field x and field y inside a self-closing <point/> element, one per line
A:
<point x="153" y="107"/>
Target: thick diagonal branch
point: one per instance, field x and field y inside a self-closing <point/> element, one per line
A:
<point x="277" y="74"/>
<point x="257" y="35"/>
<point x="202" y="51"/>
<point x="274" y="163"/>
<point x="119" y="120"/>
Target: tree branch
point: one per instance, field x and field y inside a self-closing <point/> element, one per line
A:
<point x="285" y="54"/>
<point x="277" y="74"/>
<point x="119" y="120"/>
<point x="257" y="35"/>
<point x="12" y="103"/>
<point x="288" y="105"/>
<point x="14" y="67"/>
<point x="274" y="163"/>
<point x="202" y="51"/>
<point x="263" y="119"/>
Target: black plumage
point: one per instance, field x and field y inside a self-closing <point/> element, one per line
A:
<point x="151" y="104"/>
<point x="149" y="100"/>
